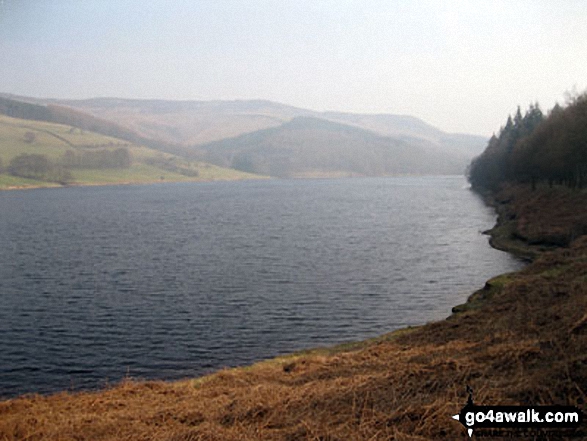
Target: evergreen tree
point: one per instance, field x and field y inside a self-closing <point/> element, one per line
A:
<point x="534" y="148"/>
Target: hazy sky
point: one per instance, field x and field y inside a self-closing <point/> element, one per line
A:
<point x="459" y="65"/>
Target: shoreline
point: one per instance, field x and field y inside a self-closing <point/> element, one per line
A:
<point x="344" y="346"/>
<point x="509" y="246"/>
<point x="121" y="183"/>
<point x="513" y="341"/>
<point x="256" y="178"/>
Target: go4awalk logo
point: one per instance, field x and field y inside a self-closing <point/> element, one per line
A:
<point x="523" y="418"/>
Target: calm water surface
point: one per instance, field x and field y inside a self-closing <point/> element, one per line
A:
<point x="168" y="281"/>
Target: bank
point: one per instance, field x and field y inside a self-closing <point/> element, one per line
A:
<point x="521" y="339"/>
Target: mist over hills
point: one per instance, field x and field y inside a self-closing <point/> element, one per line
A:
<point x="410" y="128"/>
<point x="188" y="122"/>
<point x="280" y="140"/>
<point x="308" y="146"/>
<point x="199" y="122"/>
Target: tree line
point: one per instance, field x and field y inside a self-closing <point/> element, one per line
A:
<point x="170" y="165"/>
<point x="534" y="148"/>
<point x="40" y="167"/>
<point x="117" y="158"/>
<point x="35" y="166"/>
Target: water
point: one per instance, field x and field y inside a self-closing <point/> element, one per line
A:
<point x="175" y="280"/>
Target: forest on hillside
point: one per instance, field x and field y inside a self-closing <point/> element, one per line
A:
<point x="537" y="148"/>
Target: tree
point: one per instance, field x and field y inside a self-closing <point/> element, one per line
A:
<point x="38" y="167"/>
<point x="518" y="129"/>
<point x="505" y="157"/>
<point x="60" y="175"/>
<point x="29" y="166"/>
<point x="70" y="159"/>
<point x="535" y="148"/>
<point x="99" y="159"/>
<point x="29" y="137"/>
<point x="121" y="158"/>
<point x="532" y="119"/>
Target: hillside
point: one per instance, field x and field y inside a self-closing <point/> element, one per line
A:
<point x="180" y="122"/>
<point x="73" y="156"/>
<point x="265" y="137"/>
<point x="308" y="146"/>
<point x="202" y="122"/>
<point x="37" y="110"/>
<point x="188" y="122"/>
<point x="413" y="130"/>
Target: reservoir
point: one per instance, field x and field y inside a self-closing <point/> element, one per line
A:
<point x="170" y="281"/>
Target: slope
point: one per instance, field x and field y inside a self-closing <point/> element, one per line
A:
<point x="308" y="146"/>
<point x="413" y="129"/>
<point x="79" y="157"/>
<point x="37" y="110"/>
<point x="183" y="122"/>
<point x="201" y="122"/>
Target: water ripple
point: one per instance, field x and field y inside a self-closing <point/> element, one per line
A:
<point x="175" y="280"/>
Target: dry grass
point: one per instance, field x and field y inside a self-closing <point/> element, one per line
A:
<point x="548" y="216"/>
<point x="525" y="341"/>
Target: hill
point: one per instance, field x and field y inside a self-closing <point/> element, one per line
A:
<point x="308" y="146"/>
<point x="37" y="110"/>
<point x="193" y="123"/>
<point x="36" y="153"/>
<point x="188" y="122"/>
<point x="413" y="130"/>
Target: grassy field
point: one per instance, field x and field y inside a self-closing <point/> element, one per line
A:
<point x="521" y="339"/>
<point x="19" y="136"/>
<point x="9" y="182"/>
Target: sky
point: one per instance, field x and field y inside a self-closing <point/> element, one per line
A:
<point x="461" y="66"/>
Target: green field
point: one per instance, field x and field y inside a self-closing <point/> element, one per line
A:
<point x="18" y="136"/>
<point x="8" y="182"/>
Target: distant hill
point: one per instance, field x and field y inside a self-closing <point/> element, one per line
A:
<point x="36" y="153"/>
<point x="200" y="122"/>
<point x="44" y="110"/>
<point x="186" y="122"/>
<point x="413" y="129"/>
<point x="395" y="143"/>
<point x="307" y="146"/>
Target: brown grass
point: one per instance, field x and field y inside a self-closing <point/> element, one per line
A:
<point x="548" y="216"/>
<point x="521" y="340"/>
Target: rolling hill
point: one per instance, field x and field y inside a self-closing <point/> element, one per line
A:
<point x="270" y="138"/>
<point x="188" y="122"/>
<point x="307" y="147"/>
<point x="201" y="122"/>
<point x="76" y="157"/>
<point x="411" y="129"/>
